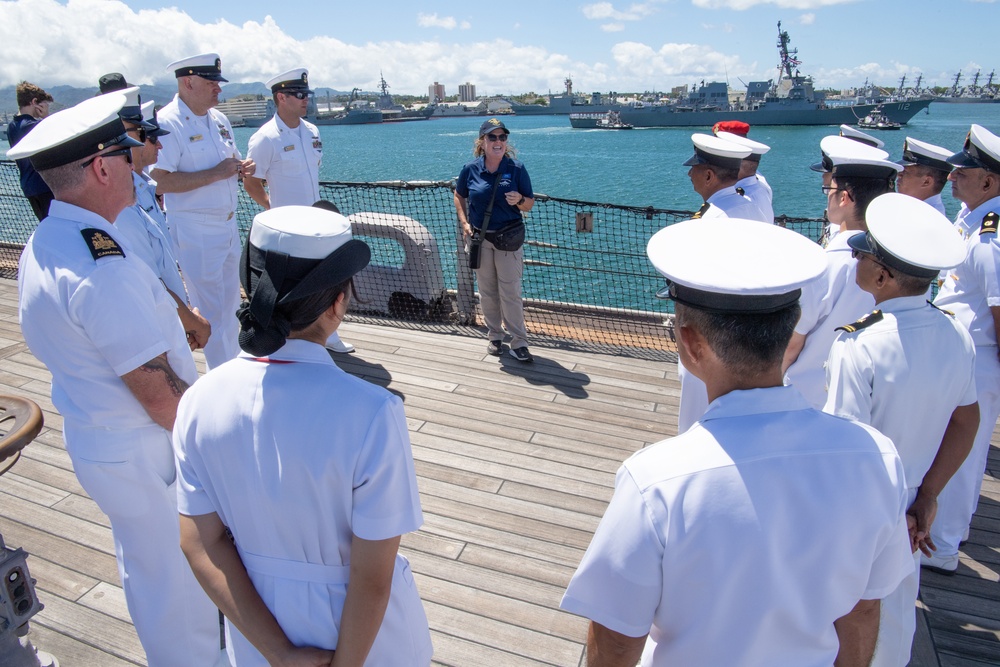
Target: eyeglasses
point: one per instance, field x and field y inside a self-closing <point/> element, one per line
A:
<point x="297" y="94"/>
<point x="497" y="137"/>
<point x="126" y="152"/>
<point x="857" y="254"/>
<point x="142" y="135"/>
<point x="827" y="189"/>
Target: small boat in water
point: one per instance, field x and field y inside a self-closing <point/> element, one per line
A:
<point x="610" y="120"/>
<point x="877" y="120"/>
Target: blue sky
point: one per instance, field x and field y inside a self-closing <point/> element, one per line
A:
<point x="505" y="47"/>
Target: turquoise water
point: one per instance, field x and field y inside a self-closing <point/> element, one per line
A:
<point x="641" y="167"/>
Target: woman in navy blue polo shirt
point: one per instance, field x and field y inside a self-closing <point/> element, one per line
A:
<point x="499" y="273"/>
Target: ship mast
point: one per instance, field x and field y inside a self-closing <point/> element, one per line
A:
<point x="382" y="85"/>
<point x="788" y="58"/>
<point x="902" y="82"/>
<point x="975" y="81"/>
<point x="920" y="77"/>
<point x="954" y="86"/>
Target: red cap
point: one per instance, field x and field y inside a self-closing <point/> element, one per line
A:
<point x="734" y="126"/>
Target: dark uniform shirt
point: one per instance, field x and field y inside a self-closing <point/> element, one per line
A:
<point x="476" y="185"/>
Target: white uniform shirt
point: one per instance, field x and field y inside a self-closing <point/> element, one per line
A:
<point x="937" y="202"/>
<point x="972" y="287"/>
<point x="880" y="375"/>
<point x="145" y="196"/>
<point x="830" y="302"/>
<point x="296" y="457"/>
<point x="735" y="205"/>
<point x="741" y="541"/>
<point x="196" y="143"/>
<point x="289" y="159"/>
<point x="754" y="190"/>
<point x="140" y="233"/>
<point x="90" y="321"/>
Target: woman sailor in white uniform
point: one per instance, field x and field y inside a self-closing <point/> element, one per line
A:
<point x="308" y="467"/>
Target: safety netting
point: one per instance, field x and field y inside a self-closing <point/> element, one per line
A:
<point x="587" y="283"/>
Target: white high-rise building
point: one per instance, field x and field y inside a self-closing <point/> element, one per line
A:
<point x="467" y="92"/>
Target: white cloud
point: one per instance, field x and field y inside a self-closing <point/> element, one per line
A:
<point x="613" y="27"/>
<point x="435" y="21"/>
<point x="602" y="11"/>
<point x="674" y="62"/>
<point x="807" y="19"/>
<point x="739" y="5"/>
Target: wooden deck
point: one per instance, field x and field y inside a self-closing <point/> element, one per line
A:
<point x="512" y="490"/>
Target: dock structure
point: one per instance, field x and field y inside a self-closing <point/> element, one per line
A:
<point x="516" y="464"/>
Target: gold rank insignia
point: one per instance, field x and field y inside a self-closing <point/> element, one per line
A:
<point x="289" y="148"/>
<point x="991" y="223"/>
<point x="866" y="321"/>
<point x="100" y="244"/>
<point x="946" y="312"/>
<point x="740" y="191"/>
<point x="196" y="137"/>
<point x="701" y="211"/>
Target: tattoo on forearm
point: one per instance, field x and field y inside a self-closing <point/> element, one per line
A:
<point x="160" y="365"/>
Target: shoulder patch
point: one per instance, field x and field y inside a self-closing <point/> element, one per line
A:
<point x="991" y="223"/>
<point x="740" y="191"/>
<point x="866" y="321"/>
<point x="100" y="244"/>
<point x="701" y="211"/>
<point x="935" y="307"/>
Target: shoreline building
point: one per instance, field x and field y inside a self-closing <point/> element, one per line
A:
<point x="467" y="92"/>
<point x="435" y="93"/>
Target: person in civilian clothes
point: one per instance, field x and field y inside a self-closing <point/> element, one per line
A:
<point x="107" y="330"/>
<point x="197" y="173"/>
<point x="881" y="367"/>
<point x="499" y="274"/>
<point x="32" y="106"/>
<point x="288" y="153"/>
<point x="972" y="292"/>
<point x="767" y="533"/>
<point x="292" y="526"/>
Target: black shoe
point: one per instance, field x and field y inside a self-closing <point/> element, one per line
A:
<point x="495" y="348"/>
<point x="521" y="354"/>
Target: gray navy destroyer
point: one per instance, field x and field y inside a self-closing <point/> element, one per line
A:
<point x="789" y="101"/>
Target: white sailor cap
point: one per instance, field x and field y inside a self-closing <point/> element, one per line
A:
<point x="292" y="80"/>
<point x="149" y="116"/>
<point x="859" y="136"/>
<point x="730" y="265"/>
<point x="206" y="65"/>
<point x="75" y="133"/>
<point x="712" y="150"/>
<point x="132" y="111"/>
<point x="909" y="235"/>
<point x="757" y="149"/>
<point x="982" y="150"/>
<point x="848" y="158"/>
<point x="923" y="153"/>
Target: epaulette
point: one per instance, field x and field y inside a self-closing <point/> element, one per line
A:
<point x="936" y="307"/>
<point x="991" y="223"/>
<point x="100" y="244"/>
<point x="701" y="211"/>
<point x="740" y="191"/>
<point x="866" y="321"/>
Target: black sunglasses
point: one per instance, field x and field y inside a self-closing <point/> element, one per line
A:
<point x="126" y="152"/>
<point x="297" y="94"/>
<point x="497" y="137"/>
<point x="857" y="254"/>
<point x="142" y="134"/>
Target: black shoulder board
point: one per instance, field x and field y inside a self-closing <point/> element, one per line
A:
<point x="935" y="307"/>
<point x="740" y="191"/>
<point x="100" y="244"/>
<point x="701" y="211"/>
<point x="991" y="223"/>
<point x="866" y="321"/>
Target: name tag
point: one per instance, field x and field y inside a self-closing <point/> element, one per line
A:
<point x="196" y="137"/>
<point x="289" y="148"/>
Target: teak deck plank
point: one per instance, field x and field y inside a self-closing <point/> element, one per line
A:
<point x="515" y="464"/>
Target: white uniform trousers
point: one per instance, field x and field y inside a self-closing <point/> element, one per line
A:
<point x="957" y="502"/>
<point x="898" y="617"/>
<point x="130" y="474"/>
<point x="210" y="261"/>
<point x="694" y="399"/>
<point x="499" y="277"/>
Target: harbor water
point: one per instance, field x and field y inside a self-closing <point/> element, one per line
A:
<point x="641" y="167"/>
